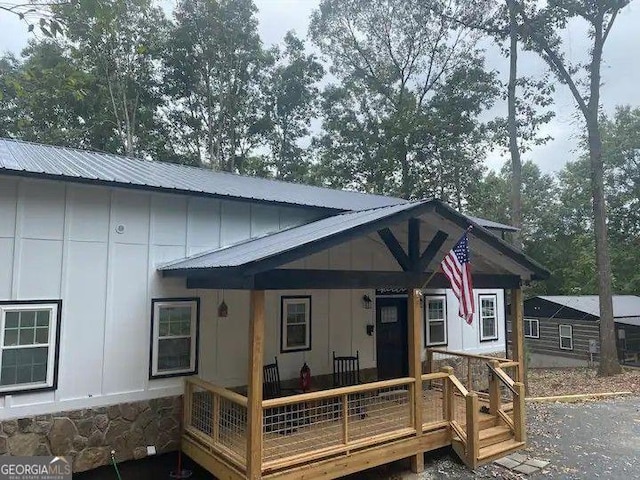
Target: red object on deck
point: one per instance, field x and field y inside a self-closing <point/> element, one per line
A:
<point x="305" y="378"/>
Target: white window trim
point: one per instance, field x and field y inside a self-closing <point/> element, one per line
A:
<point x="570" y="336"/>
<point x="427" y="321"/>
<point x="285" y="301"/>
<point x="157" y="304"/>
<point x="494" y="298"/>
<point x="54" y="308"/>
<point x="537" y="327"/>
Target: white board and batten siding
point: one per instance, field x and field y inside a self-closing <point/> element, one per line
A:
<point x="63" y="241"/>
<point x="97" y="249"/>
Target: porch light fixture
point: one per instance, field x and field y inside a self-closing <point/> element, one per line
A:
<point x="366" y="302"/>
<point x="223" y="310"/>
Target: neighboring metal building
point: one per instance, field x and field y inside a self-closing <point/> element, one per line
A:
<point x="568" y="326"/>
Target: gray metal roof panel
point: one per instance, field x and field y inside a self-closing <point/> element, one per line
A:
<point x="277" y="243"/>
<point x="623" y="305"/>
<point x="72" y="164"/>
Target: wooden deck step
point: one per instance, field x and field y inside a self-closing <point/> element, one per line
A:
<point x="498" y="450"/>
<point x="493" y="435"/>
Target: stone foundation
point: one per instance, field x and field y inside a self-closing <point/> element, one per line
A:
<point x="89" y="435"/>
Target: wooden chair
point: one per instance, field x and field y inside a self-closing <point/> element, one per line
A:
<point x="271" y="386"/>
<point x="346" y="372"/>
<point x="286" y="419"/>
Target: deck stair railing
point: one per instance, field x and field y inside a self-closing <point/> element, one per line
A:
<point x="506" y="398"/>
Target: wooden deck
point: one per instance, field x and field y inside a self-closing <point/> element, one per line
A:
<point x="303" y="432"/>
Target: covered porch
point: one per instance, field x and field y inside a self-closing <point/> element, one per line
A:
<point x="328" y="433"/>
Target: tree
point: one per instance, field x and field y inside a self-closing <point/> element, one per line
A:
<point x="403" y="119"/>
<point x="37" y="13"/>
<point x="540" y="29"/>
<point x="45" y="97"/>
<point x="291" y="96"/>
<point x="117" y="42"/>
<point x="213" y="74"/>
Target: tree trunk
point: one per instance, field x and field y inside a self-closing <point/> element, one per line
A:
<point x="609" y="364"/>
<point x="406" y="180"/>
<point x="516" y="162"/>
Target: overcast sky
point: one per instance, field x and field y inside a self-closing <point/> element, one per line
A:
<point x="621" y="69"/>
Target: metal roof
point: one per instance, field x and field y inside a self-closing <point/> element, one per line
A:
<point x="276" y="243"/>
<point x="623" y="305"/>
<point x="297" y="242"/>
<point x="69" y="164"/>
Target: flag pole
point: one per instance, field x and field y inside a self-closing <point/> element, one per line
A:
<point x="433" y="274"/>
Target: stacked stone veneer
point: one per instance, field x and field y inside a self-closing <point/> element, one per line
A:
<point x="89" y="435"/>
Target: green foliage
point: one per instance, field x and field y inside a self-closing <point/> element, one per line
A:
<point x="403" y="119"/>
<point x="213" y="73"/>
<point x="291" y="101"/>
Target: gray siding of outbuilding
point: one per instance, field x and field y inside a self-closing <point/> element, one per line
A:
<point x="549" y="341"/>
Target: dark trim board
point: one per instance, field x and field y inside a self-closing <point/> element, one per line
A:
<point x="292" y="350"/>
<point x="56" y="356"/>
<point x="299" y="279"/>
<point x="479" y="308"/>
<point x="197" y="337"/>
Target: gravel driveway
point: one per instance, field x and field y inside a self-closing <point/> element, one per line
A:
<point x="582" y="441"/>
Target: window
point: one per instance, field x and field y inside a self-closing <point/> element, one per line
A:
<point x="488" y="318"/>
<point x="566" y="337"/>
<point x="435" y="321"/>
<point x="29" y="342"/>
<point x="531" y="328"/>
<point x="295" y="324"/>
<point x="174" y="337"/>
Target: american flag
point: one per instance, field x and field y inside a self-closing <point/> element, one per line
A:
<point x="457" y="269"/>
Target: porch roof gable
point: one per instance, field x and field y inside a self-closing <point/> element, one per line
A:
<point x="274" y="250"/>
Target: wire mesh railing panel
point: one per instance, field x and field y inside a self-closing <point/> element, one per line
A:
<point x="232" y="426"/>
<point x="432" y="401"/>
<point x="377" y="412"/>
<point x="201" y="418"/>
<point x="471" y="371"/>
<point x="506" y="394"/>
<point x="300" y="428"/>
<point x="459" y="408"/>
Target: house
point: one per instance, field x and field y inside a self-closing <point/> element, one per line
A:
<point x="565" y="329"/>
<point x="141" y="301"/>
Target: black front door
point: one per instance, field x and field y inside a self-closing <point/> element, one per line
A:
<point x="391" y="337"/>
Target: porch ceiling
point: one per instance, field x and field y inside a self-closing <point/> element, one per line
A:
<point x="417" y="235"/>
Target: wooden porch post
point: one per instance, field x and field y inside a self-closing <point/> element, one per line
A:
<point x="517" y="331"/>
<point x="415" y="369"/>
<point x="254" y="388"/>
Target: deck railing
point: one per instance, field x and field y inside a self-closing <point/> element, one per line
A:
<point x="319" y="425"/>
<point x="217" y="419"/>
<point x="506" y="399"/>
<point x="468" y="368"/>
<point x="463" y="414"/>
<point x="433" y="404"/>
<point x="316" y="425"/>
